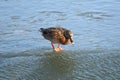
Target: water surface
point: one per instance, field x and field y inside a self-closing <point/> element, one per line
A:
<point x="26" y="55"/>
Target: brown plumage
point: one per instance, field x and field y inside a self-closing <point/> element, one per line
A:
<point x="57" y="35"/>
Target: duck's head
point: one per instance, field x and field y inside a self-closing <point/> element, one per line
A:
<point x="68" y="35"/>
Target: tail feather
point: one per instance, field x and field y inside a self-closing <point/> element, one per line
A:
<point x="43" y="31"/>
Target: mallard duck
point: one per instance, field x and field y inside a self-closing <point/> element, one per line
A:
<point x="57" y="35"/>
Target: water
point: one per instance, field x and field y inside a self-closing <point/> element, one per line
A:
<point x="26" y="55"/>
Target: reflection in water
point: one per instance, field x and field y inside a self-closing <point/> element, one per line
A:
<point x="55" y="66"/>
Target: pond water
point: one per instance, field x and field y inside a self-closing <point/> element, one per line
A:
<point x="26" y="55"/>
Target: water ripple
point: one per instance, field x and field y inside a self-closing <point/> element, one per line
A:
<point x="37" y="64"/>
<point x="95" y="15"/>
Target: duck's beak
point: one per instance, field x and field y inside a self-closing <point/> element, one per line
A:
<point x="72" y="41"/>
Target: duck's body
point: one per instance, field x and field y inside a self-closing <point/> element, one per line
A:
<point x="57" y="35"/>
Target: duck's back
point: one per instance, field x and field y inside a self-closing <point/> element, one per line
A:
<point x="53" y="33"/>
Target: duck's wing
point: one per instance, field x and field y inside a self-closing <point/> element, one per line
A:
<point x="52" y="33"/>
<point x="55" y="32"/>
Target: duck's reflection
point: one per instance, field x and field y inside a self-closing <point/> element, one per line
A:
<point x="55" y="65"/>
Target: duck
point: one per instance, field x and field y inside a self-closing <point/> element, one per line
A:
<point x="57" y="35"/>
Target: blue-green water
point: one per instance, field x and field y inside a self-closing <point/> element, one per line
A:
<point x="26" y="55"/>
